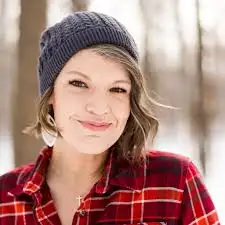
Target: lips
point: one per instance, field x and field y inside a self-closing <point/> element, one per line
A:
<point x="94" y="126"/>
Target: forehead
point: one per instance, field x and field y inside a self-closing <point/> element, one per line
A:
<point x="96" y="66"/>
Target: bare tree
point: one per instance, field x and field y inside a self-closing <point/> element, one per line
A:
<point x="32" y="22"/>
<point x="198" y="114"/>
<point x="146" y="62"/>
<point x="181" y="39"/>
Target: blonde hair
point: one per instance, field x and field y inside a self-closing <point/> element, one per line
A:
<point x="141" y="124"/>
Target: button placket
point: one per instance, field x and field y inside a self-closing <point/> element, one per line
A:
<point x="82" y="212"/>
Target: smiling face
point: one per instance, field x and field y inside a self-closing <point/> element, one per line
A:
<point x="91" y="102"/>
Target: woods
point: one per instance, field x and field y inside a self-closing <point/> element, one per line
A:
<point x="182" y="47"/>
<point x="25" y="89"/>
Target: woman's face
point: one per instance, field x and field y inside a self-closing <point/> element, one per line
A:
<point x="91" y="102"/>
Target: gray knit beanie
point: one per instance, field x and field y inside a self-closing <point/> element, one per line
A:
<point x="75" y="32"/>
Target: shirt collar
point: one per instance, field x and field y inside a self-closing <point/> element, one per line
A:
<point x="121" y="174"/>
<point x="116" y="173"/>
<point x="33" y="178"/>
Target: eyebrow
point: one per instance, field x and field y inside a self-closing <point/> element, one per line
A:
<point x="88" y="78"/>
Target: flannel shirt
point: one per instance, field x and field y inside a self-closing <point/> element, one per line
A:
<point x="166" y="189"/>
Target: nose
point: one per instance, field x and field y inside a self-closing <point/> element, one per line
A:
<point x="98" y="104"/>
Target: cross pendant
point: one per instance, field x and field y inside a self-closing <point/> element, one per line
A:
<point x="79" y="200"/>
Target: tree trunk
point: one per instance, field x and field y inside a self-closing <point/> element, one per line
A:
<point x="201" y="119"/>
<point x="146" y="62"/>
<point x="25" y="98"/>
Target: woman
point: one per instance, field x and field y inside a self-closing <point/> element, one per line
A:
<point x="94" y="119"/>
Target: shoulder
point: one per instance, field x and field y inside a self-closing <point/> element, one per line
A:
<point x="157" y="156"/>
<point x="14" y="178"/>
<point x="166" y="168"/>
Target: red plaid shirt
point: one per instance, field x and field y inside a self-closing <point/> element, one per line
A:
<point x="166" y="189"/>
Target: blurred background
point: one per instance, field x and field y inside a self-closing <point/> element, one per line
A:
<point x="182" y="48"/>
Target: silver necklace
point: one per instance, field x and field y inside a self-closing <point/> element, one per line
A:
<point x="79" y="198"/>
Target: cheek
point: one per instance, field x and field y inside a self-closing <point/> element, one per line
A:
<point x="66" y="105"/>
<point x="67" y="100"/>
<point x="62" y="105"/>
<point x="120" y="109"/>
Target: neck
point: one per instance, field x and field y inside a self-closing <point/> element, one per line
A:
<point x="73" y="167"/>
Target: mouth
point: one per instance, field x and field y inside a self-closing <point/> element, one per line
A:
<point x="94" y="126"/>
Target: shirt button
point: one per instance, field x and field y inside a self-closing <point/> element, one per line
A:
<point x="82" y="212"/>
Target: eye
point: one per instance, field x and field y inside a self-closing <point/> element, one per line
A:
<point x="78" y="83"/>
<point x="118" y="90"/>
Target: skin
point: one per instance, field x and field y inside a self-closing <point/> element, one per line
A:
<point x="89" y="88"/>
